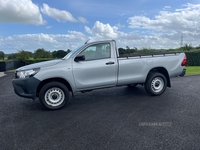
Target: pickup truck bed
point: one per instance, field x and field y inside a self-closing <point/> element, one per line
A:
<point x="142" y="64"/>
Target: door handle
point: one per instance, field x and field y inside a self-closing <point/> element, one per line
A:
<point x="110" y="63"/>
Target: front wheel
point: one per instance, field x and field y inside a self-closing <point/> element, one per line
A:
<point x="54" y="95"/>
<point x="156" y="84"/>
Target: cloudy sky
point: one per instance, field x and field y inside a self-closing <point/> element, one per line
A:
<point x="63" y="24"/>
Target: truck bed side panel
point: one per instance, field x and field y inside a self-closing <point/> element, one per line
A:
<point x="136" y="69"/>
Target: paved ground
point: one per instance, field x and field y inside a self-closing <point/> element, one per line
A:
<point x="118" y="118"/>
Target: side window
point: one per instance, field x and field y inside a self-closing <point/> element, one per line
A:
<point x="98" y="51"/>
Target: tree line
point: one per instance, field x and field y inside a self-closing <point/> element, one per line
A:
<point x="40" y="53"/>
<point x="185" y="48"/>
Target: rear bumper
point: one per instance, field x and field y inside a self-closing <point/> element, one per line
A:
<point x="183" y="73"/>
<point x="26" y="87"/>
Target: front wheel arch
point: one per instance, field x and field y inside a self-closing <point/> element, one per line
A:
<point x="44" y="82"/>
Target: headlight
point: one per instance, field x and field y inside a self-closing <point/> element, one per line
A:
<point x="27" y="73"/>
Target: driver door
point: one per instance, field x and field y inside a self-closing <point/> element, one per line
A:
<point x="99" y="69"/>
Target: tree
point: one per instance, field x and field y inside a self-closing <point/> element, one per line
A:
<point x="68" y="51"/>
<point x="61" y="53"/>
<point x="23" y="55"/>
<point x="121" y="51"/>
<point x="30" y="54"/>
<point x="187" y="47"/>
<point x="2" y="55"/>
<point x="54" y="54"/>
<point x="42" y="53"/>
<point x="135" y="49"/>
<point x="12" y="56"/>
<point x="127" y="47"/>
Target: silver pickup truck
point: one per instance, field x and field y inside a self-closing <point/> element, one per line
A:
<point x="93" y="66"/>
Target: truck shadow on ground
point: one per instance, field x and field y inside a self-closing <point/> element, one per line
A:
<point x="112" y="95"/>
<point x="102" y="96"/>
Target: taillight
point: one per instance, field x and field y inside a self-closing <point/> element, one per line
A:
<point x="184" y="62"/>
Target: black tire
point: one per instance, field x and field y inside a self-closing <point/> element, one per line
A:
<point x="54" y="95"/>
<point x="132" y="85"/>
<point x="156" y="84"/>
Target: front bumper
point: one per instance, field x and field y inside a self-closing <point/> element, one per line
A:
<point x="26" y="87"/>
<point x="183" y="73"/>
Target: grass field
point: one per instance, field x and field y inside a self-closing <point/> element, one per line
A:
<point x="192" y="70"/>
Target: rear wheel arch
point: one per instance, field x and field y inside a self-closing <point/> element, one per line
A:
<point x="161" y="70"/>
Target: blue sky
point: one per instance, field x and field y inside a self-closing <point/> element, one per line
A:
<point x="63" y="24"/>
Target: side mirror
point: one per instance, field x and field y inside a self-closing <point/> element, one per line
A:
<point x="79" y="58"/>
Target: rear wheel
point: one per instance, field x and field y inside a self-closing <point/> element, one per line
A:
<point x="156" y="84"/>
<point x="54" y="95"/>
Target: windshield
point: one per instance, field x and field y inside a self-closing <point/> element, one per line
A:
<point x="72" y="52"/>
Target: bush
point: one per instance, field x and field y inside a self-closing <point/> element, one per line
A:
<point x="2" y="55"/>
<point x="193" y="58"/>
<point x="23" y="55"/>
<point x="42" y="53"/>
<point x="32" y="61"/>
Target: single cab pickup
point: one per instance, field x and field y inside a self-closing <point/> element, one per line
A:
<point x="96" y="65"/>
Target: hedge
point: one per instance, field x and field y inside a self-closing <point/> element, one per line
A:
<point x="193" y="58"/>
<point x="32" y="61"/>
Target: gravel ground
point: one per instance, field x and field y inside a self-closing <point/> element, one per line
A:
<point x="119" y="118"/>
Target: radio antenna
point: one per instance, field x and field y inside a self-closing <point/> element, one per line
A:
<point x="87" y="41"/>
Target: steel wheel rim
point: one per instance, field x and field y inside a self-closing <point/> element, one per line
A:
<point x="157" y="84"/>
<point x="54" y="97"/>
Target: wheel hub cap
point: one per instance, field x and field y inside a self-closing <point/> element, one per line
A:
<point x="54" y="96"/>
<point x="157" y="84"/>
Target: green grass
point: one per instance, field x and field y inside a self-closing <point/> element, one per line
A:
<point x="192" y="70"/>
<point x="11" y="70"/>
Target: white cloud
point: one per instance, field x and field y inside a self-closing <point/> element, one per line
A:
<point x="60" y="15"/>
<point x="184" y="20"/>
<point x="83" y="20"/>
<point x="20" y="11"/>
<point x="49" y="27"/>
<point x="101" y="30"/>
<point x="166" y="7"/>
<point x="166" y="28"/>
<point x="49" y="42"/>
<point x="161" y="40"/>
<point x="119" y="25"/>
<point x="88" y="30"/>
